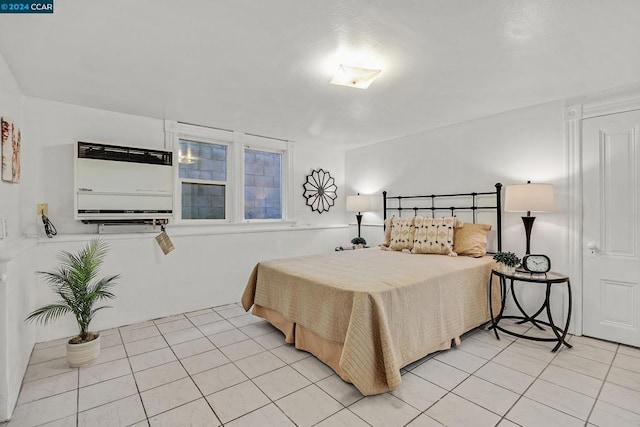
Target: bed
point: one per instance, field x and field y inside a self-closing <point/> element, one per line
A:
<point x="369" y="312"/>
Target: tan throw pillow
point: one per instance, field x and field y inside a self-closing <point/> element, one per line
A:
<point x="471" y="240"/>
<point x="401" y="234"/>
<point x="387" y="232"/>
<point x="434" y="235"/>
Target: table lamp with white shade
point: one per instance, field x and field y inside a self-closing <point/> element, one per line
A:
<point x="529" y="198"/>
<point x="359" y="204"/>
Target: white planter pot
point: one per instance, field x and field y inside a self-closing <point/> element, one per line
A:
<point x="505" y="269"/>
<point x="83" y="354"/>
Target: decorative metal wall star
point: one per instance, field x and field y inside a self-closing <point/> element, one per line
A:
<point x="320" y="190"/>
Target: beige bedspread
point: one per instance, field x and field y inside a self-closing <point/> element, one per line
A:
<point x="387" y="308"/>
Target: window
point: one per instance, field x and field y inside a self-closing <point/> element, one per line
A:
<point x="262" y="184"/>
<point x="203" y="179"/>
<point x="230" y="177"/>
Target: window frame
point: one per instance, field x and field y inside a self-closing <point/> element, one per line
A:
<point x="225" y="183"/>
<point x="236" y="143"/>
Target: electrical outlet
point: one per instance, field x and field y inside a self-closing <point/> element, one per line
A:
<point x="43" y="209"/>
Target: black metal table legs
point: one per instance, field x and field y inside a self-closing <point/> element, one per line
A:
<point x="559" y="333"/>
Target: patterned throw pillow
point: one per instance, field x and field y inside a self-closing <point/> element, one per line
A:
<point x="471" y="240"/>
<point x="401" y="234"/>
<point x="387" y="231"/>
<point x="434" y="235"/>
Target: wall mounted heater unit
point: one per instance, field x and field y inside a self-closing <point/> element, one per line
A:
<point x="119" y="184"/>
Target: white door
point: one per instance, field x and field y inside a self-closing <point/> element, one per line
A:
<point x="611" y="233"/>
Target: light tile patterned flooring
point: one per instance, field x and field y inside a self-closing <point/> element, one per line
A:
<point x="221" y="366"/>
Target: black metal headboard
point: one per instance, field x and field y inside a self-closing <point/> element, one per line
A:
<point x="465" y="200"/>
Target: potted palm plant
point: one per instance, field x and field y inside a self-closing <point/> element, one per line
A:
<point x="74" y="281"/>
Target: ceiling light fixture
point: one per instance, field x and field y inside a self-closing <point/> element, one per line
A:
<point x="354" y="76"/>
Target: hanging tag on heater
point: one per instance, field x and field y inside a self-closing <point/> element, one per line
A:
<point x="164" y="242"/>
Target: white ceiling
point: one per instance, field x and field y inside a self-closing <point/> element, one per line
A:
<point x="263" y="66"/>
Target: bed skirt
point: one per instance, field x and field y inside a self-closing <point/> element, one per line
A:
<point x="328" y="352"/>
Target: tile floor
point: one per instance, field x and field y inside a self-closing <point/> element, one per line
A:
<point x="221" y="366"/>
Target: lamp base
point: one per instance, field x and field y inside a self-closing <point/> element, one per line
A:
<point x="359" y="219"/>
<point x="528" y="225"/>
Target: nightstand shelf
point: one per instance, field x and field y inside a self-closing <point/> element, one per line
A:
<point x="547" y="279"/>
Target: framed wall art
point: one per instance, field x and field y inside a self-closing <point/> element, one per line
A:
<point x="10" y="151"/>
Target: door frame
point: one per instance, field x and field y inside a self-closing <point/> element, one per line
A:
<point x="616" y="101"/>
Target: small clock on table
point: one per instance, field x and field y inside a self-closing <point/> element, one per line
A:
<point x="536" y="263"/>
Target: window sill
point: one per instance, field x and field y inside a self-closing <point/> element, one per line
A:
<point x="245" y="227"/>
<point x="182" y="230"/>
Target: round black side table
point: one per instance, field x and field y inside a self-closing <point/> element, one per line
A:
<point x="549" y="279"/>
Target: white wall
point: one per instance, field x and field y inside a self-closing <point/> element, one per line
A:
<point x="210" y="265"/>
<point x="16" y="340"/>
<point x="204" y="270"/>
<point x="48" y="176"/>
<point x="11" y="101"/>
<point x="511" y="148"/>
<point x="49" y="173"/>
